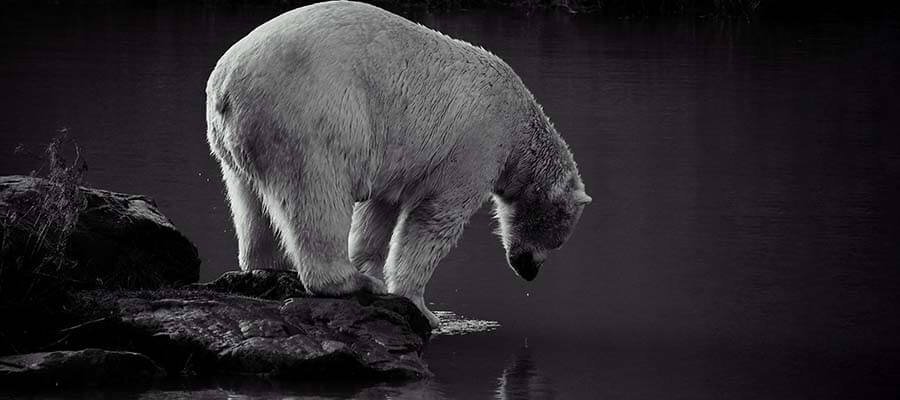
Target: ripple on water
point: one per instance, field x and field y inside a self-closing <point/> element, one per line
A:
<point x="453" y="324"/>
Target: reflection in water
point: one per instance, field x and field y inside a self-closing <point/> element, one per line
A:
<point x="521" y="379"/>
<point x="252" y="388"/>
<point x="426" y="390"/>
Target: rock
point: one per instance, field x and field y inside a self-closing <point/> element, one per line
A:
<point x="204" y="332"/>
<point x="83" y="368"/>
<point x="129" y="256"/>
<point x="119" y="240"/>
<point x="263" y="283"/>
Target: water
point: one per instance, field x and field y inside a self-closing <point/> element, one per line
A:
<point x="743" y="241"/>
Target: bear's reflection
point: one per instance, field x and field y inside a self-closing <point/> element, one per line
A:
<point x="521" y="379"/>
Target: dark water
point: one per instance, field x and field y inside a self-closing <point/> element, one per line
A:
<point x="743" y="241"/>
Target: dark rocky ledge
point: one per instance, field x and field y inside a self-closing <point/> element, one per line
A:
<point x="83" y="368"/>
<point x="205" y="332"/>
<point x="117" y="240"/>
<point x="258" y="323"/>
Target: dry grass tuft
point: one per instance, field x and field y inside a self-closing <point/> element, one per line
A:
<point x="34" y="236"/>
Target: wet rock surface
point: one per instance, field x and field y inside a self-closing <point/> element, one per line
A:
<point x="83" y="368"/>
<point x="263" y="283"/>
<point x="204" y="333"/>
<point x="200" y="331"/>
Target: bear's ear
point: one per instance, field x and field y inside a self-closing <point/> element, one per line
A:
<point x="582" y="198"/>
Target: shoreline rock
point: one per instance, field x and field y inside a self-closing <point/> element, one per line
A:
<point x="124" y="284"/>
<point x="204" y="332"/>
<point x="82" y="368"/>
<point x="118" y="241"/>
<point x="198" y="332"/>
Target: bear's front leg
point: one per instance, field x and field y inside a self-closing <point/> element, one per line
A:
<point x="425" y="233"/>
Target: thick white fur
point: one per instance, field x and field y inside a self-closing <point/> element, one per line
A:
<point x="353" y="139"/>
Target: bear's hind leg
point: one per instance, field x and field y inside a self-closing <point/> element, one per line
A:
<point x="370" y="234"/>
<point x="425" y="234"/>
<point x="258" y="247"/>
<point x="313" y="213"/>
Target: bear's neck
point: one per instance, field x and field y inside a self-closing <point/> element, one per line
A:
<point x="538" y="157"/>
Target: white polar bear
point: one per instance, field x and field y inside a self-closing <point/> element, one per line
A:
<point x="352" y="139"/>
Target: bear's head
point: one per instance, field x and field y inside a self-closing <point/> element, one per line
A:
<point x="539" y="219"/>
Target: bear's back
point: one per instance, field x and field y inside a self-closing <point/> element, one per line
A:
<point x="340" y="40"/>
<point x="391" y="95"/>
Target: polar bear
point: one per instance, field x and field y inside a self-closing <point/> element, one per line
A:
<point x="351" y="139"/>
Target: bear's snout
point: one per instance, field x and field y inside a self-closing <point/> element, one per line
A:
<point x="526" y="264"/>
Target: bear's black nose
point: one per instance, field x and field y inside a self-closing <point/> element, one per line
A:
<point x="526" y="265"/>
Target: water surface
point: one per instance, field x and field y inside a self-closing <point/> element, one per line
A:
<point x="743" y="241"/>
